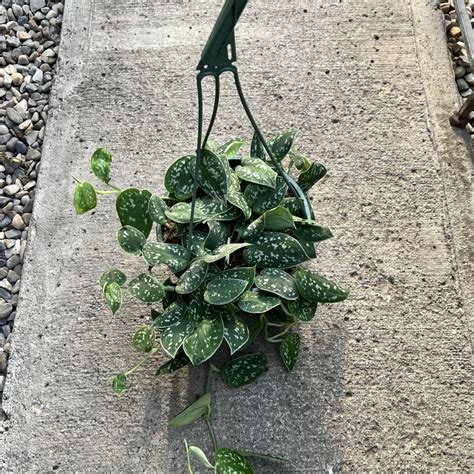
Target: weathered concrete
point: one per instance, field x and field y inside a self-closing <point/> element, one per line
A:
<point x="384" y="383"/>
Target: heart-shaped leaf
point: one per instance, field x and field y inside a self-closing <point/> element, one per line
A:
<point x="229" y="215"/>
<point x="230" y="148"/>
<point x="254" y="170"/>
<point x="275" y="250"/>
<point x="245" y="369"/>
<point x="224" y="291"/>
<point x="212" y="208"/>
<point x="300" y="309"/>
<point x="307" y="179"/>
<point x="318" y="289"/>
<point x="278" y="219"/>
<point x="119" y="384"/>
<point x="231" y="462"/>
<point x="236" y="331"/>
<point x="281" y="144"/>
<point x="173" y="255"/>
<point x="253" y="230"/>
<point x="256" y="303"/>
<point x="312" y="232"/>
<point x="131" y="240"/>
<point x="239" y="273"/>
<point x="113" y="296"/>
<point x="112" y="275"/>
<point x="179" y="178"/>
<point x="202" y="344"/>
<point x="172" y="337"/>
<point x="274" y="280"/>
<point x="196" y="245"/>
<point x="157" y="209"/>
<point x="198" y="307"/>
<point x="173" y="314"/>
<point x="85" y="198"/>
<point x="289" y="350"/>
<point x="292" y="204"/>
<point x="257" y="150"/>
<point x="262" y="198"/>
<point x="132" y="209"/>
<point x="144" y="339"/>
<point x="236" y="198"/>
<point x="181" y="213"/>
<point x="213" y="175"/>
<point x="223" y="251"/>
<point x="193" y="412"/>
<point x="146" y="288"/>
<point x="181" y="360"/>
<point x="192" y="278"/>
<point x="100" y="164"/>
<point x="219" y="232"/>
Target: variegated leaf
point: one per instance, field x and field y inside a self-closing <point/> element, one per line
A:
<point x="213" y="175"/>
<point x="281" y="144"/>
<point x="257" y="150"/>
<point x="279" y="282"/>
<point x="254" y="170"/>
<point x="202" y="344"/>
<point x="199" y="309"/>
<point x="131" y="240"/>
<point x="223" y="251"/>
<point x="172" y="337"/>
<point x="144" y="339"/>
<point x="230" y="148"/>
<point x="181" y="213"/>
<point x="100" y="164"/>
<point x="253" y="230"/>
<point x="262" y="198"/>
<point x="146" y="288"/>
<point x="318" y="289"/>
<point x="173" y="314"/>
<point x="312" y="232"/>
<point x="179" y="178"/>
<point x="132" y="209"/>
<point x="85" y="198"/>
<point x="224" y="291"/>
<point x="255" y="303"/>
<point x="231" y="462"/>
<point x="112" y="275"/>
<point x="157" y="209"/>
<point x="219" y="232"/>
<point x="236" y="331"/>
<point x="245" y="369"/>
<point x="181" y="360"/>
<point x="275" y="250"/>
<point x="236" y="198"/>
<point x="192" y="278"/>
<point x="173" y="255"/>
<point x="240" y="273"/>
<point x="278" y="219"/>
<point x="113" y="296"/>
<point x="301" y="309"/>
<point x="289" y="350"/>
<point x="307" y="179"/>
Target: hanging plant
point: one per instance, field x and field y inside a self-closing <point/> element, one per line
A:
<point x="238" y="254"/>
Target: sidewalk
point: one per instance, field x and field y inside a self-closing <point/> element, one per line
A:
<point x="384" y="381"/>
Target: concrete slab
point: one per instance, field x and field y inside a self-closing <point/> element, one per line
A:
<point x="384" y="381"/>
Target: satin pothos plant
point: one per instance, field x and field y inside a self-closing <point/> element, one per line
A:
<point x="238" y="273"/>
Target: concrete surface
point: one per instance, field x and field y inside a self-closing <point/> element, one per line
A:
<point x="385" y="381"/>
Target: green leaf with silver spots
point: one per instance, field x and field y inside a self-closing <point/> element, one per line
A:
<point x="289" y="350"/>
<point x="253" y="230"/>
<point x="100" y="163"/>
<point x="132" y="209"/>
<point x="275" y="250"/>
<point x="223" y="251"/>
<point x="146" y="288"/>
<point x="231" y="462"/>
<point x="236" y="331"/>
<point x="292" y="204"/>
<point x="199" y="309"/>
<point x="173" y="255"/>
<point x="281" y="144"/>
<point x="119" y="384"/>
<point x="179" y="178"/>
<point x="312" y="232"/>
<point x="173" y="314"/>
<point x="262" y="198"/>
<point x="219" y="232"/>
<point x="230" y="148"/>
<point x="112" y="275"/>
<point x="193" y="412"/>
<point x="254" y="170"/>
<point x="239" y="273"/>
<point x="113" y="296"/>
<point x="196" y="245"/>
<point x="213" y="175"/>
<point x="307" y="179"/>
<point x="85" y="198"/>
<point x="257" y="150"/>
<point x="318" y="289"/>
<point x="278" y="282"/>
<point x="244" y="370"/>
<point x="203" y="343"/>
<point x="300" y="309"/>
<point x="181" y="213"/>
<point x="192" y="278"/>
<point x="255" y="303"/>
<point x="236" y="198"/>
<point x="224" y="291"/>
<point x="172" y="337"/>
<point x="144" y="339"/>
<point x="181" y="360"/>
<point x="131" y="240"/>
<point x="157" y="209"/>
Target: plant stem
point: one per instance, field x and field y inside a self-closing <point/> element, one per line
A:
<point x="98" y="191"/>
<point x="140" y="363"/>
<point x="208" y="416"/>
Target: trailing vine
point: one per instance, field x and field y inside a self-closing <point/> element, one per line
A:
<point x="236" y="273"/>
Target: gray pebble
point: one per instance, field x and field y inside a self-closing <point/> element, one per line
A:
<point x="11" y="190"/>
<point x="5" y="310"/>
<point x="3" y="130"/>
<point x="15" y="116"/>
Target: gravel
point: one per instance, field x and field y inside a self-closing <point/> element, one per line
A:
<point x="29" y="41"/>
<point x="462" y="70"/>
